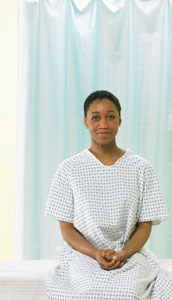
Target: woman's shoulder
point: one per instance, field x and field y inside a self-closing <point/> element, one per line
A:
<point x="138" y="159"/>
<point x="73" y="160"/>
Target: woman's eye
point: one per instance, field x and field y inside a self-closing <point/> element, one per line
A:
<point x="95" y="118"/>
<point x="111" y="117"/>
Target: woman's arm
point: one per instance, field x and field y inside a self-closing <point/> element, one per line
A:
<point x="110" y="260"/>
<point x="77" y="241"/>
<point x="138" y="239"/>
<point x="135" y="243"/>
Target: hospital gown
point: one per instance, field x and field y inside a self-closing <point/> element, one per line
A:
<point x="105" y="203"/>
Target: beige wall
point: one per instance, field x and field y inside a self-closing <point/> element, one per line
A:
<point x="8" y="99"/>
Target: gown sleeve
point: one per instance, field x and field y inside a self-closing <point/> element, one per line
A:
<point x="152" y="206"/>
<point x="60" y="199"/>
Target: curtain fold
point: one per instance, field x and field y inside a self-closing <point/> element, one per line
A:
<point x="67" y="50"/>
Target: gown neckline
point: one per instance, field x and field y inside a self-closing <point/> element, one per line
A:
<point x="108" y="166"/>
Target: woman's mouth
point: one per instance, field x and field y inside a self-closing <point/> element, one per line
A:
<point x="103" y="134"/>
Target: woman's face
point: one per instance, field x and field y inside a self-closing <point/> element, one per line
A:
<point x="102" y="121"/>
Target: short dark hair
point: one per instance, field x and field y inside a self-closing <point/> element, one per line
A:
<point x="101" y="95"/>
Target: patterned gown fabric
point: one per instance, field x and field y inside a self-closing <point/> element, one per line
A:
<point x="105" y="203"/>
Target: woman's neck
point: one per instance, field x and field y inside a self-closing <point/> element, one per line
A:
<point x="105" y="150"/>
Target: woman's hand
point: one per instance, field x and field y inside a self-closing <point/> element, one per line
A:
<point x="108" y="259"/>
<point x="108" y="254"/>
<point x="120" y="256"/>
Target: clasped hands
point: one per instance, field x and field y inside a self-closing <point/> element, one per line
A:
<point x="109" y="259"/>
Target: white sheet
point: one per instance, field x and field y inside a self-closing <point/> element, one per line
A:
<point x="25" y="280"/>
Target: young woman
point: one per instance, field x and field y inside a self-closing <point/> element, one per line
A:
<point x="106" y="200"/>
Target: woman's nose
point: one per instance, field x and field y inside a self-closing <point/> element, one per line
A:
<point x="103" y="123"/>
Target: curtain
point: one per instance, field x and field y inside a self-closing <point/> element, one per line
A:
<point x="66" y="52"/>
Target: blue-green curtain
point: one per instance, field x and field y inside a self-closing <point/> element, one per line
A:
<point x="65" y="53"/>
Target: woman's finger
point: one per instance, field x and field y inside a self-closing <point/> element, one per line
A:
<point x="115" y="257"/>
<point x="121" y="264"/>
<point x="104" y="252"/>
<point x="110" y="254"/>
<point x="106" y="265"/>
<point x="115" y="266"/>
<point x="119" y="256"/>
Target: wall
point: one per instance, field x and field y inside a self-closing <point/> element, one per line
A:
<point x="8" y="100"/>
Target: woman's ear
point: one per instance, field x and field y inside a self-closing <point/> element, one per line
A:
<point x="120" y="121"/>
<point x="85" y="121"/>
